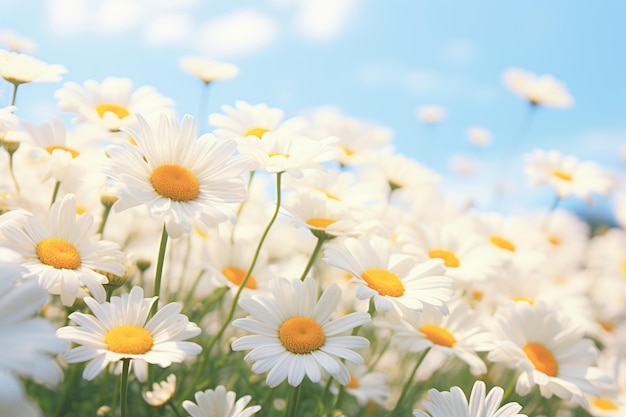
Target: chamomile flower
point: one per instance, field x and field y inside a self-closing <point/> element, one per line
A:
<point x="219" y="403"/>
<point x="16" y="42"/>
<point x="120" y="329"/>
<point x="253" y="121"/>
<point x="161" y="392"/>
<point x="396" y="281"/>
<point x="112" y="104"/>
<point x="230" y="261"/>
<point x="544" y="90"/>
<point x="179" y="178"/>
<point x="19" y="68"/>
<point x="458" y="333"/>
<point x="295" y="334"/>
<point x="548" y="349"/>
<point x="430" y="114"/>
<point x="62" y="253"/>
<point x="32" y="339"/>
<point x="481" y="404"/>
<point x="206" y="70"/>
<point x="279" y="152"/>
<point x="567" y="174"/>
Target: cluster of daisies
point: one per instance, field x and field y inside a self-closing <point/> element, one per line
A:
<point x="288" y="266"/>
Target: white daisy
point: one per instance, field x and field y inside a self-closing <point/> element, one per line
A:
<point x="567" y="174"/>
<point x="179" y="178"/>
<point x="295" y="335"/>
<point x="481" y="404"/>
<point x="63" y="253"/>
<point x="253" y="121"/>
<point x="280" y="152"/>
<point x="430" y="114"/>
<point x="544" y="90"/>
<point x="112" y="104"/>
<point x="16" y="42"/>
<point x="396" y="281"/>
<point x="479" y="136"/>
<point x="206" y="70"/>
<point x="459" y="334"/>
<point x="548" y="349"/>
<point x="162" y="392"/>
<point x="366" y="386"/>
<point x="31" y="340"/>
<point x="219" y="403"/>
<point x="19" y="68"/>
<point x="120" y="329"/>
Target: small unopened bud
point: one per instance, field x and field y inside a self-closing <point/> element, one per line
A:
<point x="103" y="411"/>
<point x="143" y="264"/>
<point x="10" y="146"/>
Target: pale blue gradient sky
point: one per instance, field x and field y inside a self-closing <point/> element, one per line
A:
<point x="376" y="60"/>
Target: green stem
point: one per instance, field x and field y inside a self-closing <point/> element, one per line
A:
<point x="105" y="216"/>
<point x="55" y="192"/>
<point x="233" y="307"/>
<point x="292" y="405"/>
<point x="17" y="186"/>
<point x="318" y="246"/>
<point x="124" y="387"/>
<point x="548" y="218"/>
<point x="159" y="270"/>
<point x="173" y="408"/>
<point x="73" y="372"/>
<point x="408" y="384"/>
<point x="14" y="93"/>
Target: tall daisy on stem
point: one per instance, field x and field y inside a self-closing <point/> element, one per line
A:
<point x="180" y="179"/>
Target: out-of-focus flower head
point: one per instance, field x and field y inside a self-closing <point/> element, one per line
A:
<point x="541" y="90"/>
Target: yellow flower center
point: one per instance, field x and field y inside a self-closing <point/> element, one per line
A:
<point x="354" y="382"/>
<point x="347" y="151"/>
<point x="329" y="195"/>
<point x="555" y="241"/>
<point x="449" y="258"/>
<point x="477" y="295"/>
<point x="236" y="276"/>
<point x="301" y="335"/>
<point x="541" y="358"/>
<point x="438" y="335"/>
<point x="383" y="281"/>
<point x="256" y="131"/>
<point x="502" y="243"/>
<point x="525" y="300"/>
<point x="320" y="222"/>
<point x="606" y="325"/>
<point x="58" y="253"/>
<point x="271" y="154"/>
<point x="562" y="176"/>
<point x="116" y="109"/>
<point x="53" y="148"/>
<point x="605" y="404"/>
<point x="129" y="339"/>
<point x="175" y="182"/>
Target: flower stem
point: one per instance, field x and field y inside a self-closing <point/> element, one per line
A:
<point x="159" y="270"/>
<point x="55" y="192"/>
<point x="124" y="387"/>
<point x="408" y="384"/>
<point x="546" y="220"/>
<point x="292" y="405"/>
<point x="14" y="93"/>
<point x="233" y="307"/>
<point x="173" y="407"/>
<point x="17" y="186"/>
<point x="105" y="216"/>
<point x="318" y="246"/>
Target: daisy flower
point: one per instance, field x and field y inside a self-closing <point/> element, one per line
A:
<point x="162" y="392"/>
<point x="458" y="333"/>
<point x="19" y="68"/>
<point x="253" y="121"/>
<point x="16" y="42"/>
<point x="120" y="329"/>
<point x="32" y="339"/>
<point x="63" y="254"/>
<point x="230" y="261"/>
<point x="295" y="335"/>
<point x="548" y="349"/>
<point x="481" y="404"/>
<point x="112" y="104"/>
<point x="206" y="70"/>
<point x="366" y="386"/>
<point x="544" y="90"/>
<point x="179" y="178"/>
<point x="219" y="403"/>
<point x="279" y="152"/>
<point x="396" y="281"/>
<point x="567" y="174"/>
<point x="430" y="114"/>
<point x="479" y="136"/>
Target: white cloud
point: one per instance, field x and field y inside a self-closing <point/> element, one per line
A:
<point x="241" y="32"/>
<point x="323" y="19"/>
<point x="170" y="29"/>
<point x="115" y="16"/>
<point x="67" y="17"/>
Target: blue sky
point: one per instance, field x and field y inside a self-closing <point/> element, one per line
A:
<point x="374" y="60"/>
